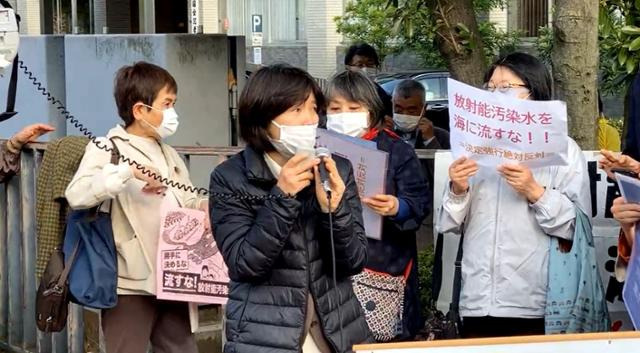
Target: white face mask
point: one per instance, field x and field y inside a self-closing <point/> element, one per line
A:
<point x="351" y="124"/>
<point x="405" y="122"/>
<point x="169" y="124"/>
<point x="294" y="139"/>
<point x="370" y="72"/>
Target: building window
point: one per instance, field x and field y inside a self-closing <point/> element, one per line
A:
<point x="533" y="14"/>
<point x="283" y="21"/>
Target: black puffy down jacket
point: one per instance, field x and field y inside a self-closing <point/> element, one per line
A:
<point x="277" y="250"/>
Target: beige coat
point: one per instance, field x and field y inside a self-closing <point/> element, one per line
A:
<point x="97" y="180"/>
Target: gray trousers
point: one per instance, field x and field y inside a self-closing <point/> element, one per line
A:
<point x="138" y="320"/>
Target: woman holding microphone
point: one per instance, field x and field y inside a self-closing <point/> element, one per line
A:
<point x="277" y="242"/>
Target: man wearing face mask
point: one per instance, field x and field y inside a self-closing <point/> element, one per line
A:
<point x="145" y="95"/>
<point x="364" y="58"/>
<point x="411" y="124"/>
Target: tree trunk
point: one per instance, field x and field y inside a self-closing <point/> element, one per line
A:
<point x="575" y="66"/>
<point x="466" y="64"/>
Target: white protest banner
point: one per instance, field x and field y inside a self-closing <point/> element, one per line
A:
<point x="369" y="170"/>
<point x="605" y="232"/>
<point x="190" y="267"/>
<point x="494" y="128"/>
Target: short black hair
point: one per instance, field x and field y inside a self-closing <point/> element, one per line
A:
<point x="271" y="91"/>
<point x="140" y="82"/>
<point x="361" y="49"/>
<point x="205" y="267"/>
<point x="408" y="88"/>
<point x="530" y="70"/>
<point x="356" y="87"/>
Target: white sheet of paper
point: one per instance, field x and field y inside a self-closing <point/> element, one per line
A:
<point x="369" y="170"/>
<point x="629" y="187"/>
<point x="493" y="128"/>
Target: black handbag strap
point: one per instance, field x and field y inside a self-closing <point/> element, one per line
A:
<point x="62" y="280"/>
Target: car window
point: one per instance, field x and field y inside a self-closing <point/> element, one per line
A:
<point x="445" y="88"/>
<point x="389" y="86"/>
<point x="434" y="88"/>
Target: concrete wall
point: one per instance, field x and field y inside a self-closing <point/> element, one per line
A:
<point x="295" y="55"/>
<point x="79" y="71"/>
<point x="198" y="63"/>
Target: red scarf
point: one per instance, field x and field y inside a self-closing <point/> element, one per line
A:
<point x="373" y="133"/>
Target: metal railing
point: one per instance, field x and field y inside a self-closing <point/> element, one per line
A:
<point x="18" y="282"/>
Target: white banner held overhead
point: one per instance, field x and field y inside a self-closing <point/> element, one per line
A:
<point x="493" y="128"/>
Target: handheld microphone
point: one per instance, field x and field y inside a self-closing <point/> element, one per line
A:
<point x="323" y="152"/>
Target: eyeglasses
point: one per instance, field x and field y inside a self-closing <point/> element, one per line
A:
<point x="503" y="87"/>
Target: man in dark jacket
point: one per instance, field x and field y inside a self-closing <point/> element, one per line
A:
<point x="414" y="127"/>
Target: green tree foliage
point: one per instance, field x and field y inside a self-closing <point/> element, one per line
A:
<point x="411" y="26"/>
<point x="619" y="31"/>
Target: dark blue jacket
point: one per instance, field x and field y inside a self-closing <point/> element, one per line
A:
<point x="632" y="139"/>
<point x="391" y="254"/>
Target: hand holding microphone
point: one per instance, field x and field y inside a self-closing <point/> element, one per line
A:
<point x="296" y="174"/>
<point x="328" y="181"/>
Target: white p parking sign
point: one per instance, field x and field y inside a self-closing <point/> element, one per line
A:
<point x="256" y="21"/>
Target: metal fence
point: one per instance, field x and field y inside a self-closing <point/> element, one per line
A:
<point x="18" y="332"/>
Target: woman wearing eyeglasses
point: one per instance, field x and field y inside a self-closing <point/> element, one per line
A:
<point x="508" y="216"/>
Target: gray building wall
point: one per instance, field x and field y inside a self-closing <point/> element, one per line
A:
<point x="295" y="55"/>
<point x="79" y="71"/>
<point x="198" y="63"/>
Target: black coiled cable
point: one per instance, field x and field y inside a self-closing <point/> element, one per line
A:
<point x="165" y="181"/>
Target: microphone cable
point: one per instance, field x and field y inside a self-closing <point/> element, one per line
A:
<point x="165" y="181"/>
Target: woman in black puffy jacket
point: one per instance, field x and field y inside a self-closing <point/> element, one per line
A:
<point x="276" y="240"/>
